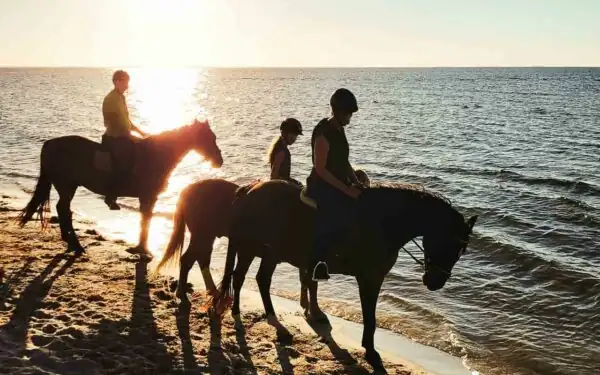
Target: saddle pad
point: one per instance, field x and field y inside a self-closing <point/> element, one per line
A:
<point x="307" y="200"/>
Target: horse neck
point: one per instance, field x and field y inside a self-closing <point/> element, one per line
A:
<point x="170" y="148"/>
<point x="413" y="216"/>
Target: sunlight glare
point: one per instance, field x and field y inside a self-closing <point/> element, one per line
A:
<point x="164" y="99"/>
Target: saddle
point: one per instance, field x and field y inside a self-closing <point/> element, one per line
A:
<point x="104" y="159"/>
<point x="307" y="200"/>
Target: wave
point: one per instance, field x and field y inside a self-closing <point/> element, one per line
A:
<point x="579" y="187"/>
<point x="574" y="186"/>
<point x="20" y="175"/>
<point x="558" y="275"/>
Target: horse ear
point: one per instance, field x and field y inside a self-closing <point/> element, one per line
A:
<point x="202" y="123"/>
<point x="471" y="222"/>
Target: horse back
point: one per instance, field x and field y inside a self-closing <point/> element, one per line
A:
<point x="272" y="213"/>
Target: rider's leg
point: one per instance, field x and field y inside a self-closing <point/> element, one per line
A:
<point x="122" y="150"/>
<point x="332" y="223"/>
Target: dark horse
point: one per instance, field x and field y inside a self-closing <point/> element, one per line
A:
<point x="270" y="221"/>
<point x="205" y="208"/>
<point x="72" y="161"/>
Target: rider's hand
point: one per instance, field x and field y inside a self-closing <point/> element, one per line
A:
<point x="353" y="192"/>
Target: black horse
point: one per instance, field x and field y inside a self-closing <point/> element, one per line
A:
<point x="272" y="222"/>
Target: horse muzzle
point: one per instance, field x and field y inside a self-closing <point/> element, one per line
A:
<point x="434" y="283"/>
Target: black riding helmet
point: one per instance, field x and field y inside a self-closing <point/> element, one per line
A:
<point x="291" y="125"/>
<point x="343" y="101"/>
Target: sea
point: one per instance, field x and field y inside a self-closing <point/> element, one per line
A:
<point x="517" y="146"/>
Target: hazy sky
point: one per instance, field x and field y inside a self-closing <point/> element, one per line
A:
<point x="300" y="32"/>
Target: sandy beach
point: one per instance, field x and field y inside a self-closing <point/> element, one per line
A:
<point x="106" y="313"/>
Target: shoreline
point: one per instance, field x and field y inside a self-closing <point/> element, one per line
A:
<point x="158" y="295"/>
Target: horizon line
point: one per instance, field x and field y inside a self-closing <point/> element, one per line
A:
<point x="289" y="67"/>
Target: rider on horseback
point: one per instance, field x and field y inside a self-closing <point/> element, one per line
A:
<point x="118" y="138"/>
<point x="331" y="180"/>
<point x="279" y="154"/>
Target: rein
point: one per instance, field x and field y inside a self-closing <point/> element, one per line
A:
<point x="424" y="263"/>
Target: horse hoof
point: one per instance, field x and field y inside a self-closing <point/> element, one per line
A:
<point x="374" y="359"/>
<point x="77" y="249"/>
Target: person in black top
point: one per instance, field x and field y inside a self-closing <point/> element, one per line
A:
<point x="280" y="158"/>
<point x="332" y="181"/>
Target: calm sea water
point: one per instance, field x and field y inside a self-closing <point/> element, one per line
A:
<point x="518" y="147"/>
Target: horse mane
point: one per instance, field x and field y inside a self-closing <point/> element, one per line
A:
<point x="418" y="189"/>
<point x="171" y="133"/>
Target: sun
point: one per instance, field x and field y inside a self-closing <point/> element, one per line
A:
<point x="168" y="33"/>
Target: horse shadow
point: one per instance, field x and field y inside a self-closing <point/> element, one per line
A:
<point x="123" y="345"/>
<point x="31" y="298"/>
<point x="342" y="356"/>
<point x="6" y="291"/>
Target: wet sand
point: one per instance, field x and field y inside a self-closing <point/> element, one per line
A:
<point x="105" y="313"/>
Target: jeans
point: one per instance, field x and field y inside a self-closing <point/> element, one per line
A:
<point x="335" y="217"/>
<point x="122" y="150"/>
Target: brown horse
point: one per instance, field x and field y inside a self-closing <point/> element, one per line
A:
<point x="72" y="161"/>
<point x="270" y="221"/>
<point x="205" y="208"/>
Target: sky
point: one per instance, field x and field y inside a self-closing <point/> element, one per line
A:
<point x="299" y="33"/>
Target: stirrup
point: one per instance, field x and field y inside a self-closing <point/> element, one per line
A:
<point x="314" y="278"/>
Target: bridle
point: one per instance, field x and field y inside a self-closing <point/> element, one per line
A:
<point x="427" y="261"/>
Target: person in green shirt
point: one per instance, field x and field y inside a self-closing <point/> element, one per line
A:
<point x="118" y="136"/>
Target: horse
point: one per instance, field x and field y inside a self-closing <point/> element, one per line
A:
<point x="270" y="221"/>
<point x="204" y="207"/>
<point x="72" y="161"/>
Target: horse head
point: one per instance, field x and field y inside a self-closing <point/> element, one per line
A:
<point x="443" y="247"/>
<point x="204" y="141"/>
<point x="410" y="211"/>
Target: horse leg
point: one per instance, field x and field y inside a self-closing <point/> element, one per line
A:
<point x="369" y="287"/>
<point x="314" y="312"/>
<point x="185" y="265"/>
<point x="65" y="218"/>
<point x="263" y="278"/>
<point x="146" y="208"/>
<point x="239" y="276"/>
<point x="303" y="291"/>
<point x="203" y="252"/>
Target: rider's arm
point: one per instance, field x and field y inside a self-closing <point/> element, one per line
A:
<point x="138" y="130"/>
<point x="352" y="175"/>
<point x="276" y="165"/>
<point x="321" y="151"/>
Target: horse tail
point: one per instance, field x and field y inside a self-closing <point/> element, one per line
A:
<point x="222" y="301"/>
<point x="40" y="201"/>
<point x="175" y="246"/>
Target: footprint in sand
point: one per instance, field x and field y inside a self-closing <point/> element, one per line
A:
<point x="41" y="314"/>
<point x="63" y="318"/>
<point x="72" y="332"/>
<point x="41" y="340"/>
<point x="49" y="329"/>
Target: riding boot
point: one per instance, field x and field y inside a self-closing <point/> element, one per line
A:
<point x="318" y="265"/>
<point x="111" y="198"/>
